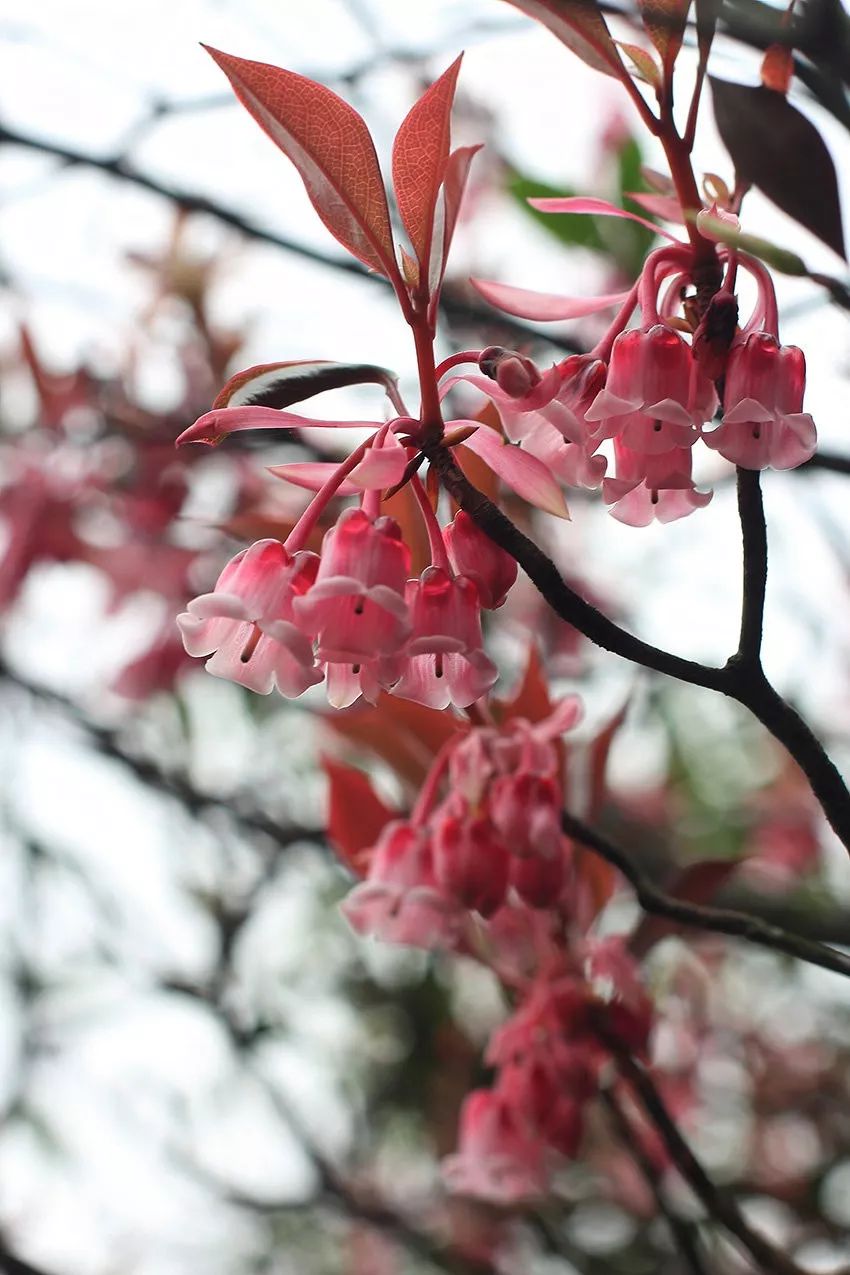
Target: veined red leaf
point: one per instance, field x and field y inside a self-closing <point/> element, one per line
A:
<point x="330" y="145"/>
<point x="543" y="306"/>
<point x="282" y="384"/>
<point x="776" y="148"/>
<point x="420" y="154"/>
<point x="446" y="215"/>
<point x="356" y="814"/>
<point x="596" y="208"/>
<point x="580" y="26"/>
<point x="522" y="472"/>
<point x="664" y="22"/>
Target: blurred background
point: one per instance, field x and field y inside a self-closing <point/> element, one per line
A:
<point x="201" y="1069"/>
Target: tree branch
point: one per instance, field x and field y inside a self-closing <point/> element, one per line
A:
<point x="698" y="916"/>
<point x="740" y="682"/>
<point x="721" y="1206"/>
<point x="685" y="1233"/>
<point x="754" y="540"/>
<point x="452" y="306"/>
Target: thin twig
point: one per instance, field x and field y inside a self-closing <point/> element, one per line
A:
<point x="740" y="682"/>
<point x="754" y="537"/>
<point x="701" y="917"/>
<point x="684" y="1232"/>
<point x="719" y="1204"/>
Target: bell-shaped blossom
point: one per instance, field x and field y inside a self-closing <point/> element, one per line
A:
<point x="470" y="861"/>
<point x="400" y="900"/>
<point x="480" y="559"/>
<point x="445" y="660"/>
<point x="539" y="881"/>
<point x="652" y="486"/>
<point x="763" y="421"/>
<point x="498" y="1158"/>
<point x="356" y="609"/>
<point x="537" y="1089"/>
<point x="614" y="978"/>
<point x="526" y="809"/>
<point x="345" y="683"/>
<point x="246" y="623"/>
<point x="656" y="397"/>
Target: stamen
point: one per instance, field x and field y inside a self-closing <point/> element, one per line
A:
<point x="656" y="425"/>
<point x="654" y="496"/>
<point x="251" y="645"/>
<point x="438" y="664"/>
<point x="358" y="606"/>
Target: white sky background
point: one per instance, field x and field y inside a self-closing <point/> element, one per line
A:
<point x="84" y="74"/>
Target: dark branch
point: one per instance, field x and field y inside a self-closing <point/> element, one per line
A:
<point x="754" y="540"/>
<point x="720" y="1206"/>
<point x="684" y="1232"/>
<point x="740" y="682"/>
<point x="700" y="917"/>
<point x="452" y="306"/>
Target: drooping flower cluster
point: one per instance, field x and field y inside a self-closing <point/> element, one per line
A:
<point x="486" y="870"/>
<point x="283" y="617"/>
<point x="653" y="392"/>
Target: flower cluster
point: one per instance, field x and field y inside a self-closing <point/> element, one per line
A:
<point x="486" y="870"/>
<point x="282" y="616"/>
<point x="653" y="392"/>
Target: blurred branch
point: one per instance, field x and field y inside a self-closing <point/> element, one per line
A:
<point x="452" y="305"/>
<point x="720" y="1206"/>
<point x="685" y="1233"/>
<point x="107" y="741"/>
<point x="698" y="916"/>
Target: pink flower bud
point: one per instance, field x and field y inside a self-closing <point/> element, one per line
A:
<point x="512" y="372"/>
<point x="476" y="556"/>
<point x="526" y="809"/>
<point x="470" y="862"/>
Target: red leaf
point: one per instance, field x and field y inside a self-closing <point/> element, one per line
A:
<point x="531" y="699"/>
<point x="664" y="22"/>
<point x="580" y="26"/>
<point x="406" y="735"/>
<point x="451" y="197"/>
<point x="356" y="814"/>
<point x="330" y="145"/>
<point x="420" y="154"/>
<point x="777" y="149"/>
<point x="282" y="384"/>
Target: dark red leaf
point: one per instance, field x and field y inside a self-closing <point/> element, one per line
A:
<point x="697" y="884"/>
<point x="776" y="148"/>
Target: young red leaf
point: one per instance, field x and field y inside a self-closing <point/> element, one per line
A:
<point x="420" y="154"/>
<point x="356" y="814"/>
<point x="330" y="145"/>
<point x="664" y="23"/>
<point x="580" y="26"/>
<point x="447" y="211"/>
<point x="646" y="68"/>
<point x="698" y="883"/>
<point x="776" y="148"/>
<point x="531" y="698"/>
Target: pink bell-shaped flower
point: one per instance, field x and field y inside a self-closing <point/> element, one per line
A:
<point x="480" y="559"/>
<point x="246" y="623"/>
<point x="445" y="660"/>
<point x="356" y="609"/>
<point x="526" y="808"/>
<point x="652" y="486"/>
<point x="656" y="397"/>
<point x="498" y="1158"/>
<point x="763" y="421"/>
<point x="400" y="900"/>
<point x="470" y="861"/>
